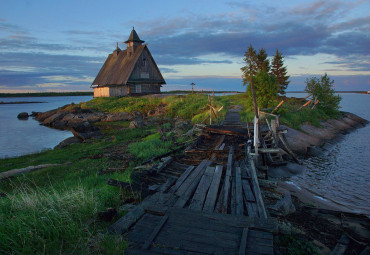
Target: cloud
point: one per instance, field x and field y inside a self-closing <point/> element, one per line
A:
<point x="50" y="85"/>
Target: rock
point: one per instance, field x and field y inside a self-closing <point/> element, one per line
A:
<point x="68" y="141"/>
<point x="87" y="135"/>
<point x="117" y="117"/>
<point x="33" y="114"/>
<point x="138" y="122"/>
<point x="284" y="206"/>
<point x="23" y="115"/>
<point x="50" y="121"/>
<point x="41" y="116"/>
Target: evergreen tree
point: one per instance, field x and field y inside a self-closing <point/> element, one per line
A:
<point x="263" y="64"/>
<point x="249" y="71"/>
<point x="279" y="71"/>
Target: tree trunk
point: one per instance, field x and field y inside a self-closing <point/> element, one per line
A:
<point x="254" y="99"/>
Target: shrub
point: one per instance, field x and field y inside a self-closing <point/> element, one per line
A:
<point x="323" y="90"/>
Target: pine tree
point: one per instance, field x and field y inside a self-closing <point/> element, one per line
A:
<point x="279" y="71"/>
<point x="263" y="64"/>
<point x="249" y="71"/>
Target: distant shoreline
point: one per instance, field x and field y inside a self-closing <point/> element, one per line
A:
<point x="56" y="94"/>
<point x="22" y="102"/>
<point x="46" y="94"/>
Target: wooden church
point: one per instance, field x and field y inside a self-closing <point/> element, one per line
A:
<point x="129" y="72"/>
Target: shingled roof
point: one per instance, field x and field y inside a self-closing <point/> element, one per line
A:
<point x="118" y="67"/>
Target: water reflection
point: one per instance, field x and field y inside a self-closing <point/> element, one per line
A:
<point x="341" y="173"/>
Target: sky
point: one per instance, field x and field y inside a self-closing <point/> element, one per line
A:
<point x="61" y="45"/>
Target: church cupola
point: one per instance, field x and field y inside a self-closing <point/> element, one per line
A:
<point x="132" y="42"/>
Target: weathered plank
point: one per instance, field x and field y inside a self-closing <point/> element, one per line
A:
<point x="238" y="192"/>
<point x="163" y="164"/>
<point x="255" y="186"/>
<point x="248" y="194"/>
<point x="165" y="186"/>
<point x="211" y="198"/>
<point x="233" y="193"/>
<point x="189" y="180"/>
<point x="268" y="225"/>
<point x="182" y="179"/>
<point x="186" y="194"/>
<point x="201" y="191"/>
<point x="243" y="242"/>
<point x="155" y="232"/>
<point x="227" y="181"/>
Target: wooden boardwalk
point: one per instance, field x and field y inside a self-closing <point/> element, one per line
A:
<point x="213" y="207"/>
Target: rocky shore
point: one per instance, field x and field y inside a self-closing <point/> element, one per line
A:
<point x="310" y="138"/>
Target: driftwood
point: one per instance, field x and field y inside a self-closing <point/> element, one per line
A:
<point x="28" y="169"/>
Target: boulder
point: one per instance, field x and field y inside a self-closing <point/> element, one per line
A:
<point x="137" y="123"/>
<point x="87" y="135"/>
<point x="23" y="115"/>
<point x="68" y="141"/>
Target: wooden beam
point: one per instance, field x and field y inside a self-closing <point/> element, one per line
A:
<point x="155" y="232"/>
<point x="238" y="192"/>
<point x="201" y="191"/>
<point x="227" y="181"/>
<point x="243" y="242"/>
<point x="211" y="198"/>
<point x="255" y="186"/>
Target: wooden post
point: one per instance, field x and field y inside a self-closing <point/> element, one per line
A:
<point x="254" y="98"/>
<point x="255" y="135"/>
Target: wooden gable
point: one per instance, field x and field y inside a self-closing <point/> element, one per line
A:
<point x="146" y="70"/>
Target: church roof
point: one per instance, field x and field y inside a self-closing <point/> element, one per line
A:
<point x="117" y="68"/>
<point x="134" y="37"/>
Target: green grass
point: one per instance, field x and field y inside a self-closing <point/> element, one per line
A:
<point x="53" y="210"/>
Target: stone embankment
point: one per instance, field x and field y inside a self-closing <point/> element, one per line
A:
<point x="311" y="137"/>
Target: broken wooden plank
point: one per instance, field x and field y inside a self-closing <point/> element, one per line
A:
<point x="185" y="195"/>
<point x="255" y="186"/>
<point x="342" y="245"/>
<point x="119" y="184"/>
<point x="233" y="192"/>
<point x="238" y="192"/>
<point x="182" y="179"/>
<point x="163" y="164"/>
<point x="155" y="232"/>
<point x="243" y="242"/>
<point x="189" y="180"/>
<point x="211" y="198"/>
<point x="201" y="191"/>
<point x="247" y="191"/>
<point x="166" y="186"/>
<point x="227" y="182"/>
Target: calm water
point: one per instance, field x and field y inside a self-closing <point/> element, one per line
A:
<point x="20" y="137"/>
<point x="342" y="173"/>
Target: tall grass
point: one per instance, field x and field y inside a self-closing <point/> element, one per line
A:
<point x="49" y="221"/>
